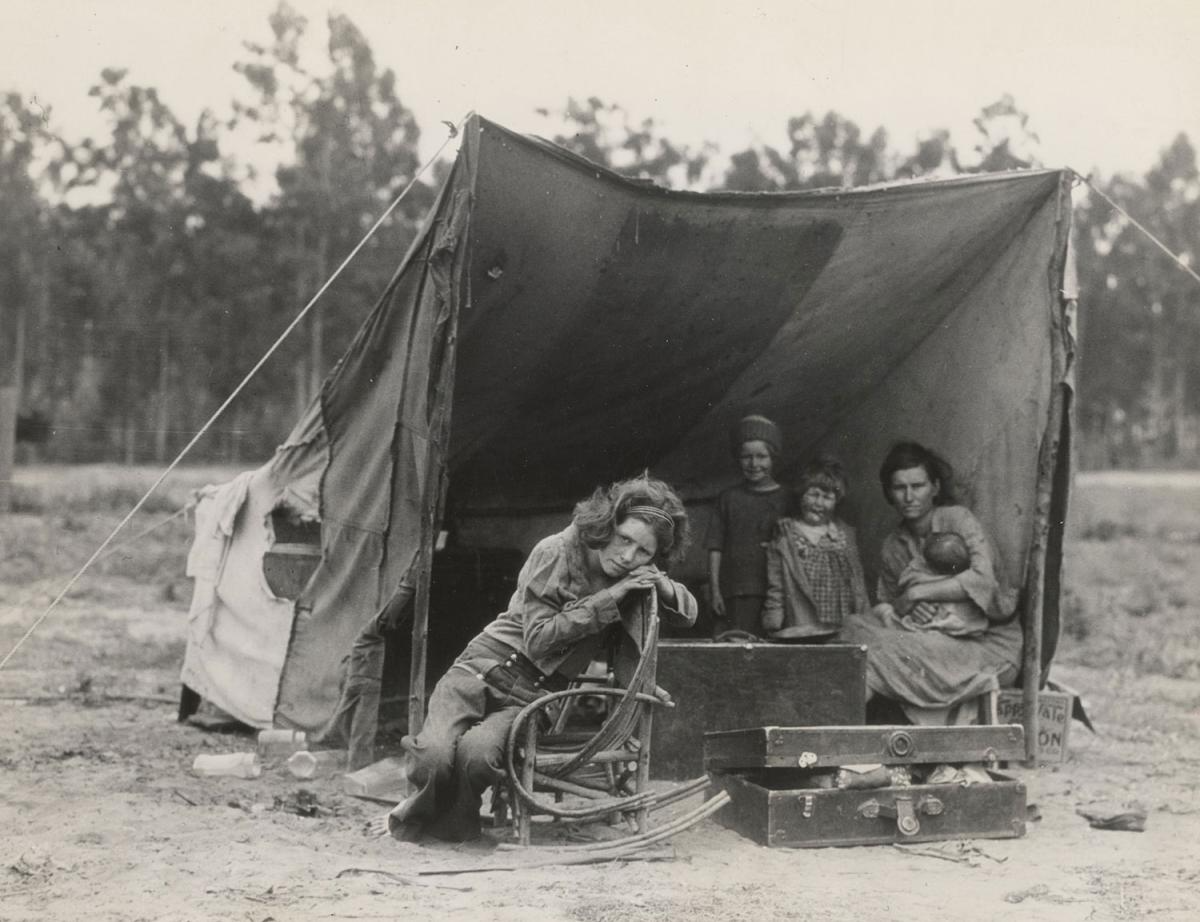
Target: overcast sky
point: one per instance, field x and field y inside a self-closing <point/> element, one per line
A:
<point x="1107" y="83"/>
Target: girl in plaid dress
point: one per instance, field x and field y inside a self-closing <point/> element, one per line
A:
<point x="814" y="574"/>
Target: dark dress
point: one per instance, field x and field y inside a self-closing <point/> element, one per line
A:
<point x="742" y="523"/>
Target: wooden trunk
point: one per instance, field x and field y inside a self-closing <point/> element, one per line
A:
<point x="767" y="808"/>
<point x="829" y="747"/>
<point x="726" y="686"/>
<point x="781" y="781"/>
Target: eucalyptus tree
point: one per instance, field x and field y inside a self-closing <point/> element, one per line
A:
<point x="22" y="137"/>
<point x="607" y="134"/>
<point x="154" y="196"/>
<point x="1140" y="313"/>
<point x="347" y="145"/>
<point x="822" y="152"/>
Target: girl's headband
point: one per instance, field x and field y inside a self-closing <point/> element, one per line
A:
<point x="654" y="512"/>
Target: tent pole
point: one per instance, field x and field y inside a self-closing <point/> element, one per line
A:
<point x="439" y="445"/>
<point x="1035" y="583"/>
<point x="430" y="519"/>
<point x="420" y="629"/>
<point x="1031" y="662"/>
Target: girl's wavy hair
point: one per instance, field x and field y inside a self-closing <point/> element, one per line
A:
<point x="597" y="517"/>
<point x="905" y="455"/>
<point x="824" y="471"/>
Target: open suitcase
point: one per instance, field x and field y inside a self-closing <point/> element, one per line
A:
<point x="780" y="782"/>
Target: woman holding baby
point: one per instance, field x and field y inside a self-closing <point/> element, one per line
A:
<point x="943" y="630"/>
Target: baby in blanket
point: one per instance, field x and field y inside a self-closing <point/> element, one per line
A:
<point x="944" y="554"/>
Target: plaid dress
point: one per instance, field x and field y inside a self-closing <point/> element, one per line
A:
<point x="830" y="574"/>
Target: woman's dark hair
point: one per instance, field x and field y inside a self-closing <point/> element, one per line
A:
<point x="905" y="455"/>
<point x="597" y="517"/>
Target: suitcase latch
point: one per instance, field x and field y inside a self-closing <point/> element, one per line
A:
<point x="903" y="811"/>
<point x="901" y="745"/>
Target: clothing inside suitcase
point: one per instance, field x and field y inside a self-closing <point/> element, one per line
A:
<point x="779" y="783"/>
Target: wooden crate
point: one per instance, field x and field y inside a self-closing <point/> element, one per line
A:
<point x="1054" y="720"/>
<point x="723" y="686"/>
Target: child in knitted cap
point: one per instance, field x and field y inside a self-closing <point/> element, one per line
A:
<point x="943" y="554"/>
<point x="742" y="523"/>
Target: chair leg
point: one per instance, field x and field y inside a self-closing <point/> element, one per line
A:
<point x="500" y="797"/>
<point x="643" y="763"/>
<point x="524" y="820"/>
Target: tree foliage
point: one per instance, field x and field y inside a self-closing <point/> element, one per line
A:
<point x="351" y="146"/>
<point x="1142" y="314"/>
<point x="831" y="151"/>
<point x="607" y="134"/>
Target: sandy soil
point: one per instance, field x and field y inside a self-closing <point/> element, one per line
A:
<point x="102" y="818"/>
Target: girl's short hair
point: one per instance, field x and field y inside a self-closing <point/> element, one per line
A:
<point x="824" y="471"/>
<point x="643" y="498"/>
<point x="905" y="455"/>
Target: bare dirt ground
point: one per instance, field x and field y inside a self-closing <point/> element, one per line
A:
<point x="101" y="817"/>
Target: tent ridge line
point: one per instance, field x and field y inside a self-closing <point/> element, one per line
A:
<point x="599" y="171"/>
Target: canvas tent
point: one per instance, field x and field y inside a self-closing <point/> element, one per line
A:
<point x="556" y="326"/>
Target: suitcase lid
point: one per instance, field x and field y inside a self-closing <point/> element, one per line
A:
<point x="830" y="747"/>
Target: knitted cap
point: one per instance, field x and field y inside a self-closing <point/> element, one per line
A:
<point x="757" y="429"/>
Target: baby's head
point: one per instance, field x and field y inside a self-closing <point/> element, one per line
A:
<point x="946" y="552"/>
<point x="756" y="443"/>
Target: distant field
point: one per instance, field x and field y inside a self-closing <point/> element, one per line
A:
<point x="108" y="487"/>
<point x="1131" y="598"/>
<point x="1159" y="480"/>
<point x="1162" y="504"/>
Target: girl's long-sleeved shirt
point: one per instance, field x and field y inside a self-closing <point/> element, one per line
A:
<point x="558" y="614"/>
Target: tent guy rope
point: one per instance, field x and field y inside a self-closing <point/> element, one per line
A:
<point x="183" y="510"/>
<point x="1087" y="180"/>
<point x="452" y="133"/>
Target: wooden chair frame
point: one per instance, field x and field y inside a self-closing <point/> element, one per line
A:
<point x="556" y="761"/>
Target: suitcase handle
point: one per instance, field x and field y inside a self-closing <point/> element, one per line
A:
<point x="903" y="811"/>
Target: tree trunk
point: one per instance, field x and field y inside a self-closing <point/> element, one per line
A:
<point x="12" y="370"/>
<point x="8" y="432"/>
<point x="316" y="368"/>
<point x="301" y="374"/>
<point x="1159" y="396"/>
<point x="316" y="349"/>
<point x="163" y="403"/>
